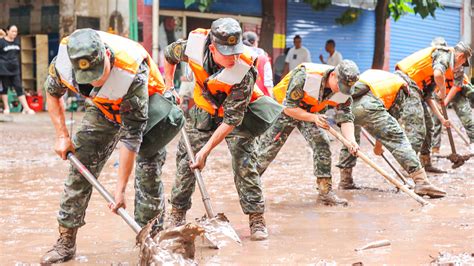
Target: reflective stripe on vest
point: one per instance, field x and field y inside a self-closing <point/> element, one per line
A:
<point x="384" y="85"/>
<point x="128" y="55"/>
<point x="312" y="88"/>
<point x="221" y="82"/>
<point x="419" y="67"/>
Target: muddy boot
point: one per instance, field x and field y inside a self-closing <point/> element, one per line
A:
<point x="64" y="249"/>
<point x="327" y="195"/>
<point x="425" y="160"/>
<point x="424" y="187"/>
<point x="347" y="182"/>
<point x="176" y="218"/>
<point x="258" y="229"/>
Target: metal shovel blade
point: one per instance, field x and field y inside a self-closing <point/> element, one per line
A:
<point x="457" y="159"/>
<point x="218" y="230"/>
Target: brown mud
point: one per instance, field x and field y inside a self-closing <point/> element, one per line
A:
<point x="300" y="232"/>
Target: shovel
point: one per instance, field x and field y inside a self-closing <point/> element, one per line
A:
<point x="400" y="175"/>
<point x="214" y="225"/>
<point x="158" y="254"/>
<point x="377" y="168"/>
<point x="455" y="158"/>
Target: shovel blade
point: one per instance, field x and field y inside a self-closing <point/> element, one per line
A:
<point x="216" y="228"/>
<point x="457" y="160"/>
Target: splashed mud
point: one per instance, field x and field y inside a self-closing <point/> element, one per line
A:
<point x="300" y="232"/>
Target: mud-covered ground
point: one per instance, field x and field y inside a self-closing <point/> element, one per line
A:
<point x="302" y="232"/>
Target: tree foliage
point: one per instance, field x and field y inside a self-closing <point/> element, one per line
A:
<point x="396" y="9"/>
<point x="203" y="5"/>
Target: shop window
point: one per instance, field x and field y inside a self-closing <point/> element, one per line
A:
<point x="50" y="19"/>
<point x="20" y="17"/>
<point x="88" y="22"/>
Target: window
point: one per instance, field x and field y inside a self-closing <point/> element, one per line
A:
<point x="88" y="22"/>
<point x="20" y="17"/>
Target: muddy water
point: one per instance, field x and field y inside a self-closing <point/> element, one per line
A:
<point x="300" y="231"/>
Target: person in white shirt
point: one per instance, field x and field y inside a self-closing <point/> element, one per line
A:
<point x="297" y="55"/>
<point x="334" y="56"/>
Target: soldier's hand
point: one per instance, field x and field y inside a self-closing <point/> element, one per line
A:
<point x="378" y="150"/>
<point x="446" y="123"/>
<point x="62" y="146"/>
<point x="119" y="202"/>
<point x="354" y="148"/>
<point x="321" y="121"/>
<point x="200" y="161"/>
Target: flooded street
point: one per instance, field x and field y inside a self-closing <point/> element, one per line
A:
<point x="300" y="231"/>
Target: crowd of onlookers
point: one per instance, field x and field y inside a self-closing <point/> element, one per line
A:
<point x="10" y="69"/>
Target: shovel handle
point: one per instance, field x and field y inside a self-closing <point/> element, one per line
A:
<point x="367" y="160"/>
<point x="202" y="187"/>
<point x="105" y="194"/>
<point x="450" y="134"/>
<point x="372" y="142"/>
<point x="463" y="137"/>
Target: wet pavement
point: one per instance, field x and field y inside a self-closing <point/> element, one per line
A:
<point x="300" y="231"/>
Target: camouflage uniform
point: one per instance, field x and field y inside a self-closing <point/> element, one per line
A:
<point x="95" y="141"/>
<point x="201" y="125"/>
<point x="271" y="142"/>
<point x="463" y="109"/>
<point x="370" y="113"/>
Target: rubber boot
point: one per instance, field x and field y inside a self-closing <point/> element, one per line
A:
<point x="424" y="187"/>
<point x="64" y="249"/>
<point x="346" y="182"/>
<point x="176" y="218"/>
<point x="425" y="160"/>
<point x="327" y="195"/>
<point x="258" y="228"/>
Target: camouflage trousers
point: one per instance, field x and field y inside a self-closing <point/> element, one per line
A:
<point x="370" y="113"/>
<point x="242" y="148"/>
<point x="275" y="137"/>
<point x="94" y="143"/>
<point x="464" y="111"/>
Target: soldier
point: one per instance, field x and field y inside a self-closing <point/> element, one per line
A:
<point x="430" y="66"/>
<point x="225" y="78"/>
<point x="380" y="98"/>
<point x="459" y="99"/>
<point x="120" y="80"/>
<point x="305" y="92"/>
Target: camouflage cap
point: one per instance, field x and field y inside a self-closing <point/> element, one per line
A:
<point x="86" y="52"/>
<point x="226" y="35"/>
<point x="462" y="47"/>
<point x="347" y="75"/>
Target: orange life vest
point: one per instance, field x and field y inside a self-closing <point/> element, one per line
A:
<point x="419" y="67"/>
<point x="222" y="82"/>
<point x="449" y="81"/>
<point x="312" y="89"/>
<point x="128" y="55"/>
<point x="384" y="85"/>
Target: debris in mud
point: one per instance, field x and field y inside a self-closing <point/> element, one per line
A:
<point x="174" y="246"/>
<point x="448" y="259"/>
<point x="375" y="244"/>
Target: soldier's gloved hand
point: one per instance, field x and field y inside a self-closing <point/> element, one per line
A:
<point x="119" y="202"/>
<point x="200" y="159"/>
<point x="446" y="123"/>
<point x="321" y="121"/>
<point x="378" y="150"/>
<point x="62" y="146"/>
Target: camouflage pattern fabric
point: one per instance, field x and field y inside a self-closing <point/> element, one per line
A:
<point x="370" y="113"/>
<point x="94" y="142"/>
<point x="242" y="147"/>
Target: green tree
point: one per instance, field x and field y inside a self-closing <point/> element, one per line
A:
<point x="384" y="9"/>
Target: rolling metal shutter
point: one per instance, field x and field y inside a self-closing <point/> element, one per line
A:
<point x="412" y="33"/>
<point x="354" y="41"/>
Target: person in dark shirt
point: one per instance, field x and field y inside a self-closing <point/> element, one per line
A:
<point x="10" y="69"/>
